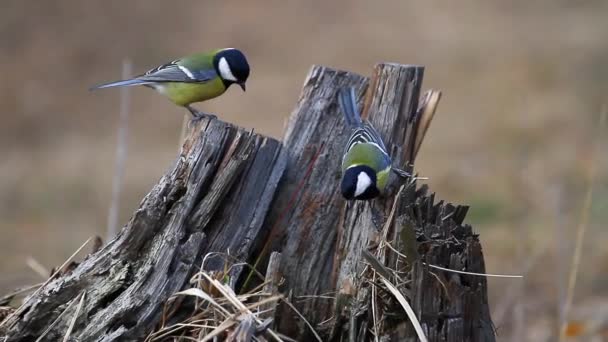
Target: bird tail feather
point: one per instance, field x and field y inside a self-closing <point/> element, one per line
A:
<point x="122" y="83"/>
<point x="348" y="105"/>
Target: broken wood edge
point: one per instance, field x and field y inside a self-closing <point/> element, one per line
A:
<point x="392" y="97"/>
<point x="425" y="114"/>
<point x="198" y="173"/>
<point x="272" y="282"/>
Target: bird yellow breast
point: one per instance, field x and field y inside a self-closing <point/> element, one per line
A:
<point x="183" y="94"/>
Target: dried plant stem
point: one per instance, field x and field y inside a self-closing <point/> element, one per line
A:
<point x="182" y="134"/>
<point x="374" y="309"/>
<point x="581" y="229"/>
<point x="227" y="293"/>
<point x="475" y="274"/>
<point x="304" y="319"/>
<point x="455" y="271"/>
<point x="73" y="322"/>
<point x="408" y="309"/>
<point x="41" y="337"/>
<point x="8" y="297"/>
<point x="18" y="311"/>
<point x="121" y="153"/>
<point x="37" y="267"/>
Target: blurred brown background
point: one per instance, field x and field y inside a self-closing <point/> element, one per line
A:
<point x="523" y="84"/>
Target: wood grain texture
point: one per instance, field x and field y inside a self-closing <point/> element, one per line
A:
<point x="220" y="169"/>
<point x="390" y="106"/>
<point x="279" y="207"/>
<point x="308" y="203"/>
<point x="323" y="237"/>
<point x="451" y="306"/>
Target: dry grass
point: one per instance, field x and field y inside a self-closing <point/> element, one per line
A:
<point x="68" y="333"/>
<point x="408" y="309"/>
<point x="216" y="311"/>
<point x="57" y="320"/>
<point x="580" y="234"/>
<point x="52" y="276"/>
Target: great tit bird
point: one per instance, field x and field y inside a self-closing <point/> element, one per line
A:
<point x="194" y="78"/>
<point x="365" y="164"/>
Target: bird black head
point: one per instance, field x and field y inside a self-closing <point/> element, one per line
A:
<point x="232" y="66"/>
<point x="359" y="183"/>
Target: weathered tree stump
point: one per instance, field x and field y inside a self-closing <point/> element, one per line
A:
<point x="215" y="198"/>
<point x="239" y="192"/>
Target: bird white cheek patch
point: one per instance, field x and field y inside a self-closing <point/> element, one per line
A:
<point x="363" y="182"/>
<point x="225" y="71"/>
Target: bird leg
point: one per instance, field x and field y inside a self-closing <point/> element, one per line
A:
<point x="401" y="173"/>
<point x="395" y="182"/>
<point x="404" y="174"/>
<point x="198" y="115"/>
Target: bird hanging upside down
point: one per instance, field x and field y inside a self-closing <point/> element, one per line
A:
<point x="366" y="164"/>
<point x="194" y="78"/>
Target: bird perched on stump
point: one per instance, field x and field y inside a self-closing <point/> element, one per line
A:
<point x="365" y="164"/>
<point x="194" y="78"/>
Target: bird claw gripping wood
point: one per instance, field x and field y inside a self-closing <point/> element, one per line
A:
<point x="401" y="173"/>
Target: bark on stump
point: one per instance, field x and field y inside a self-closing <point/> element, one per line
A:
<point x="232" y="190"/>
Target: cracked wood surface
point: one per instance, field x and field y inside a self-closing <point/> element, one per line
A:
<point x="231" y="190"/>
<point x="203" y="204"/>
<point x="321" y="237"/>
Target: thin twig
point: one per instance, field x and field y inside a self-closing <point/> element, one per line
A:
<point x="581" y="229"/>
<point x="48" y="329"/>
<point x="474" y="273"/>
<point x="37" y="267"/>
<point x="408" y="309"/>
<point x="456" y="271"/>
<point x="262" y="302"/>
<point x="232" y="258"/>
<point x="374" y="310"/>
<point x="303" y="298"/>
<point x="445" y="288"/>
<point x="202" y="295"/>
<point x="304" y="319"/>
<point x="121" y="153"/>
<point x="228" y="294"/>
<point x="73" y="322"/>
<point x="561" y="246"/>
<point x="8" y="297"/>
<point x="59" y="269"/>
<point x="219" y="329"/>
<point x="182" y="134"/>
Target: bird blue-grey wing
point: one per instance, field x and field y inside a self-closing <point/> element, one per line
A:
<point x="161" y="67"/>
<point x="170" y="72"/>
<point x="366" y="134"/>
<point x="123" y="83"/>
<point x="178" y="73"/>
<point x="364" y="131"/>
<point x="204" y="75"/>
<point x="384" y="160"/>
<point x="348" y="105"/>
<point x="375" y="136"/>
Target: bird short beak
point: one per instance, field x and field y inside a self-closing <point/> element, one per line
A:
<point x="242" y="85"/>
